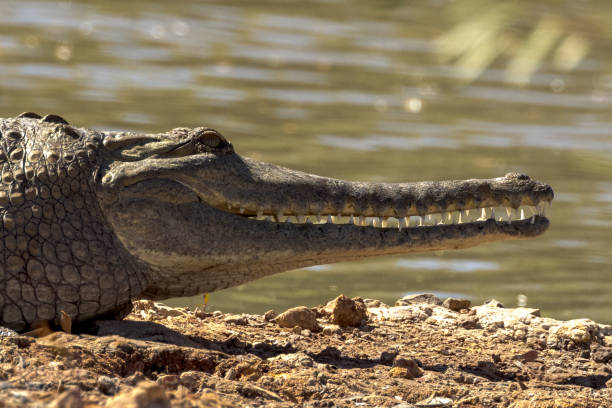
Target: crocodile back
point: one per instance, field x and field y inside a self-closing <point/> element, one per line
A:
<point x="58" y="252"/>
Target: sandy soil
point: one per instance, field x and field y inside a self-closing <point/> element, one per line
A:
<point x="350" y="353"/>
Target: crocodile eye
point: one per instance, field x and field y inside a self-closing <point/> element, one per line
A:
<point x="210" y="138"/>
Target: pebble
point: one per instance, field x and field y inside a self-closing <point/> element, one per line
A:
<point x="456" y="304"/>
<point x="270" y="315"/>
<point x="190" y="380"/>
<point x="298" y="316"/>
<point x="108" y="385"/>
<point x="332" y="330"/>
<point x="401" y="372"/>
<point x="169" y="381"/>
<point x="71" y="398"/>
<point x="577" y="331"/>
<point x="529" y="356"/>
<point x="373" y="303"/>
<point x="146" y="395"/>
<point x="237" y="320"/>
<point x="6" y="332"/>
<point x="601" y="354"/>
<point x="410" y="364"/>
<point x="427" y="298"/>
<point x="299" y="359"/>
<point x="346" y="312"/>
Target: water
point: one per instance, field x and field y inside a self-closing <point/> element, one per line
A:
<point x="379" y="91"/>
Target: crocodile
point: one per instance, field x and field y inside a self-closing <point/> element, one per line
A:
<point x="92" y="220"/>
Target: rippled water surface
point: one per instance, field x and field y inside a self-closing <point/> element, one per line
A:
<point x="379" y="91"/>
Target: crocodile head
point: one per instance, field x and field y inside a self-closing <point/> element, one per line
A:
<point x="205" y="218"/>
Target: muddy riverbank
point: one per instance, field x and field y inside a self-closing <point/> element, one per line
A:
<point x="348" y="353"/>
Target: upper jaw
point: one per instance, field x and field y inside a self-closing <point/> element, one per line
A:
<point x="280" y="195"/>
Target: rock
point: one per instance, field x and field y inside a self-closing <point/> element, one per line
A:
<point x="299" y="359"/>
<point x="169" y="381"/>
<point x="529" y="356"/>
<point x="136" y="377"/>
<point x="6" y="332"/>
<point x="237" y="320"/>
<point x="388" y="356"/>
<point x="70" y="398"/>
<point x="373" y="303"/>
<point x="146" y="395"/>
<point x="157" y="308"/>
<point x="191" y="380"/>
<point x="427" y="298"/>
<point x="493" y="314"/>
<point x="403" y="313"/>
<point x="601" y="354"/>
<point x="456" y="304"/>
<point x="410" y="364"/>
<point x="403" y="372"/>
<point x="435" y="402"/>
<point x="298" y="316"/>
<point x="108" y="385"/>
<point x="469" y="322"/>
<point x="269" y="315"/>
<point x="577" y="332"/>
<point x="494" y="303"/>
<point x="346" y="312"/>
<point x="332" y="330"/>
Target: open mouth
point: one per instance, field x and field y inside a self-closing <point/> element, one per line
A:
<point x="499" y="214"/>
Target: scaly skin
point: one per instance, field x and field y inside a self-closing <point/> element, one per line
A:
<point x="92" y="220"/>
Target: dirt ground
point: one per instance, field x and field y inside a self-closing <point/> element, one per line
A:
<point x="349" y="353"/>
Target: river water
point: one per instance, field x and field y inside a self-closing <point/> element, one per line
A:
<point x="362" y="90"/>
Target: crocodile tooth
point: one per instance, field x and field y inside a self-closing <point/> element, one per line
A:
<point x="330" y="219"/>
<point x="308" y="221"/>
<point x="455" y="217"/>
<point x="448" y="217"/>
<point x="415" y="221"/>
<point x="483" y="215"/>
<point x="241" y="210"/>
<point x="384" y="222"/>
<point x="269" y="218"/>
<point x="522" y="214"/>
<point x="532" y="220"/>
<point x="492" y="216"/>
<point x="403" y="223"/>
<point x="319" y="218"/>
<point x="352" y="220"/>
<point x="393" y="222"/>
<point x="301" y="218"/>
<point x="362" y="220"/>
<point x="259" y="213"/>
